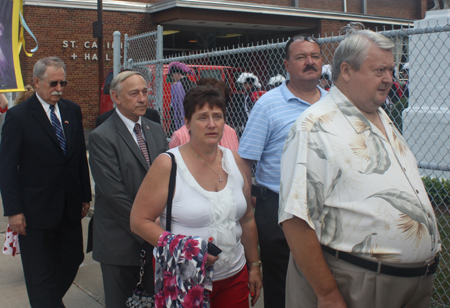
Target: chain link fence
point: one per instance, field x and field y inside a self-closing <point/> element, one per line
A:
<point x="417" y="103"/>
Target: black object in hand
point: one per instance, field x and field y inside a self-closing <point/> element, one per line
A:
<point x="213" y="249"/>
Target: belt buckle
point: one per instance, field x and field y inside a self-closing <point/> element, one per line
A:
<point x="379" y="268"/>
<point x="428" y="269"/>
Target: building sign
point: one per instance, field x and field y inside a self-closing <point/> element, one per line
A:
<point x="89" y="50"/>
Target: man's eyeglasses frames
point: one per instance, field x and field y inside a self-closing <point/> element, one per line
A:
<point x="54" y="83"/>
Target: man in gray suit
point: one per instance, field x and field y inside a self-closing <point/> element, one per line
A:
<point x="121" y="151"/>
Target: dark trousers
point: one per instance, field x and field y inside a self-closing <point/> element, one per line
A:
<point x="274" y="251"/>
<point x="50" y="260"/>
<point x="118" y="282"/>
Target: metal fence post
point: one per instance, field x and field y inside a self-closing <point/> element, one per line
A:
<point x="125" y="52"/>
<point x="116" y="47"/>
<point x="159" y="70"/>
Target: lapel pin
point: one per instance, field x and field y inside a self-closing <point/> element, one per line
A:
<point x="148" y="127"/>
<point x="66" y="122"/>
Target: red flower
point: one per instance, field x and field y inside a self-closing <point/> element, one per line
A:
<point x="170" y="286"/>
<point x="175" y="241"/>
<point x="191" y="249"/>
<point x="160" y="301"/>
<point x="162" y="241"/>
<point x="194" y="297"/>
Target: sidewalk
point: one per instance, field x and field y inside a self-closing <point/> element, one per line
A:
<point x="86" y="291"/>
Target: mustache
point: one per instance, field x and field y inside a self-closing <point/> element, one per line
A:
<point x="56" y="93"/>
<point x="310" y="67"/>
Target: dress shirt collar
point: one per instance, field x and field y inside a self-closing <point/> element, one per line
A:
<point x="128" y="123"/>
<point x="46" y="105"/>
<point x="289" y="96"/>
<point x="357" y="119"/>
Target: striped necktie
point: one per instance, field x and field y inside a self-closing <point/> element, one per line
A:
<point x="141" y="142"/>
<point x="58" y="129"/>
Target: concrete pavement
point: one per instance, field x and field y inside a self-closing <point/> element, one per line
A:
<point x="85" y="292"/>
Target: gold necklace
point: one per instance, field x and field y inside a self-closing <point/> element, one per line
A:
<point x="218" y="174"/>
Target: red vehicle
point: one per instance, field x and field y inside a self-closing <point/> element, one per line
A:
<point x="226" y="73"/>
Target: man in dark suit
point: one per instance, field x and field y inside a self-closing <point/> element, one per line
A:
<point x="121" y="151"/>
<point x="150" y="114"/>
<point x="45" y="184"/>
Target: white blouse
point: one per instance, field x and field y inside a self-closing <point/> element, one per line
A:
<point x="198" y="212"/>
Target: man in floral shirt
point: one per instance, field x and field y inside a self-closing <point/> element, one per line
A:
<point x="356" y="215"/>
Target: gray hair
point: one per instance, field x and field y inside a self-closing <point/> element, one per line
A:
<point x="355" y="47"/>
<point x="116" y="83"/>
<point x="40" y="68"/>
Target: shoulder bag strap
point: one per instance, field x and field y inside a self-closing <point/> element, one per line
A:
<point x="173" y="173"/>
<point x="146" y="255"/>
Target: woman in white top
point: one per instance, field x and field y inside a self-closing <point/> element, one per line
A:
<point x="211" y="200"/>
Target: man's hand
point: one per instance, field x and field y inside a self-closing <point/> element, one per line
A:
<point x="17" y="224"/>
<point x="332" y="300"/>
<point x="85" y="208"/>
<point x="307" y="253"/>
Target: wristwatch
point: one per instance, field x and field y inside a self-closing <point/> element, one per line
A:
<point x="254" y="264"/>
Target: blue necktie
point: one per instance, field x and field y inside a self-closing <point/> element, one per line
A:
<point x="58" y="129"/>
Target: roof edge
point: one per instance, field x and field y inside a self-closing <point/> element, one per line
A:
<point x="246" y="7"/>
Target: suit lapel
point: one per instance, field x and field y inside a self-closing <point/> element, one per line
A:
<point x="39" y="114"/>
<point x="128" y="139"/>
<point x="151" y="146"/>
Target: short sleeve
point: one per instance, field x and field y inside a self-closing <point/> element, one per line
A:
<point x="174" y="141"/>
<point x="303" y="177"/>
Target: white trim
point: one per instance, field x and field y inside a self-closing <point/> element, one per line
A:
<point x="108" y="5"/>
<point x="111" y="5"/>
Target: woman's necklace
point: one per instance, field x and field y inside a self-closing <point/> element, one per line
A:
<point x="218" y="174"/>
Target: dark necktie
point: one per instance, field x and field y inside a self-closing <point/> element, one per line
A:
<point x="58" y="129"/>
<point x="141" y="142"/>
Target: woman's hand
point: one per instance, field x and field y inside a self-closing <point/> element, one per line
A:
<point x="211" y="259"/>
<point x="254" y="283"/>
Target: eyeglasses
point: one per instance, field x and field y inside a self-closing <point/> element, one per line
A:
<point x="301" y="38"/>
<point x="54" y="83"/>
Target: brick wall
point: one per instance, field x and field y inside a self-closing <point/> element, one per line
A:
<point x="397" y="8"/>
<point x="54" y="26"/>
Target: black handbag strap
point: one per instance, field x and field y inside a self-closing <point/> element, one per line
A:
<point x="146" y="247"/>
<point x="173" y="173"/>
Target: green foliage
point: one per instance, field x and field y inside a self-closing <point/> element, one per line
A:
<point x="441" y="294"/>
<point x="438" y="190"/>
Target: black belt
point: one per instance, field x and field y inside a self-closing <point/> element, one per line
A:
<point x="381" y="268"/>
<point x="261" y="192"/>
